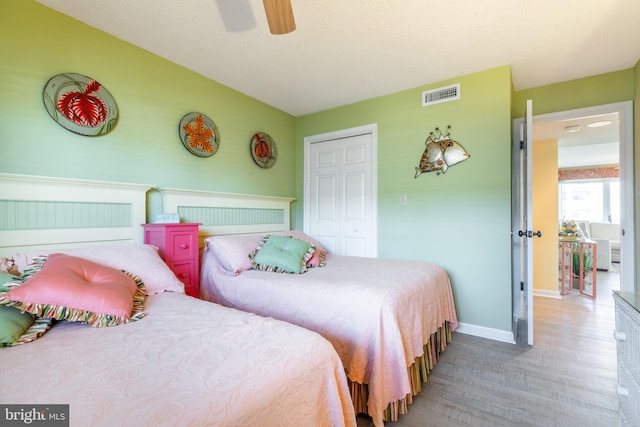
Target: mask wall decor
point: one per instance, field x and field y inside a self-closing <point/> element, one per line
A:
<point x="441" y="152"/>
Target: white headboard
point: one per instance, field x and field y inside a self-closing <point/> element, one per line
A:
<point x="38" y="212"/>
<point x="228" y="213"/>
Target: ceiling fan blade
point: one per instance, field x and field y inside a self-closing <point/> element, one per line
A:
<point x="280" y="16"/>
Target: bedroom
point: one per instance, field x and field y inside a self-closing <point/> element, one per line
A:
<point x="154" y="93"/>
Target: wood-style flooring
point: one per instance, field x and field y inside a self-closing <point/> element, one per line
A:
<point x="568" y="377"/>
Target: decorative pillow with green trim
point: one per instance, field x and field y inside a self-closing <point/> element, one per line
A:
<point x="282" y="254"/>
<point x="65" y="287"/>
<point x="17" y="327"/>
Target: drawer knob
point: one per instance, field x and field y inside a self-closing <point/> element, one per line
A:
<point x="622" y="391"/>
<point x="184" y="246"/>
<point x="619" y="335"/>
<point x="182" y="275"/>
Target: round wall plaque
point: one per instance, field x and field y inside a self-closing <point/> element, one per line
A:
<point x="80" y="104"/>
<point x="263" y="150"/>
<point x="199" y="134"/>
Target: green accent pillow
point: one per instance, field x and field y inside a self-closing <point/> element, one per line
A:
<point x="8" y="278"/>
<point x="13" y="323"/>
<point x="282" y="254"/>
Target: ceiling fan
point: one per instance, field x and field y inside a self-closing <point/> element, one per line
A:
<point x="280" y="16"/>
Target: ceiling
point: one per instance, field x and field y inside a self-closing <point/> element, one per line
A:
<point x="579" y="144"/>
<point x="345" y="51"/>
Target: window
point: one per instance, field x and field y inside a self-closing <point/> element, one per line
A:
<point x="594" y="201"/>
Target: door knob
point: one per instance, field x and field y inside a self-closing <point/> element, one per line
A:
<point x="530" y="233"/>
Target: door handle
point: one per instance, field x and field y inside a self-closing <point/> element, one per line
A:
<point x="530" y="233"/>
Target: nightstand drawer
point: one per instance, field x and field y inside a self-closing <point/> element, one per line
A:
<point x="183" y="245"/>
<point x="183" y="270"/>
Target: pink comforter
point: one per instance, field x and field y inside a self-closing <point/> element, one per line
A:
<point x="187" y="363"/>
<point x="377" y="313"/>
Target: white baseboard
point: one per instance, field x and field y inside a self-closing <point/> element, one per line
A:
<point x="547" y="294"/>
<point x="483" y="332"/>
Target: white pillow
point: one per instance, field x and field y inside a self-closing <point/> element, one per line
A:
<point x="232" y="251"/>
<point x="138" y="259"/>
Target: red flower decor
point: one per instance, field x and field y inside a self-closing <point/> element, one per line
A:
<point x="262" y="149"/>
<point x="83" y="108"/>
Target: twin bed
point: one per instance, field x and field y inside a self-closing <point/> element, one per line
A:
<point x="187" y="362"/>
<point x="191" y="362"/>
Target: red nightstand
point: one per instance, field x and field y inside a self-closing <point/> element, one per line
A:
<point x="178" y="247"/>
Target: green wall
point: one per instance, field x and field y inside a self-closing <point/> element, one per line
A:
<point x="580" y="93"/>
<point x="152" y="94"/>
<point x="460" y="220"/>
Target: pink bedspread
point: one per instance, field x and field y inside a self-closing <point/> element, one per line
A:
<point x="377" y="313"/>
<point x="187" y="363"/>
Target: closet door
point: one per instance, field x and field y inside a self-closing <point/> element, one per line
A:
<point x="340" y="201"/>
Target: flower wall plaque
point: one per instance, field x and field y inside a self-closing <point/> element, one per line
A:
<point x="80" y="104"/>
<point x="263" y="150"/>
<point x="199" y="134"/>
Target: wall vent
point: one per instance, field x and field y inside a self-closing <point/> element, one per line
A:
<point x="442" y="94"/>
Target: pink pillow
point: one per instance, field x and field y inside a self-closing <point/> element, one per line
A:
<point x="135" y="258"/>
<point x="71" y="288"/>
<point x="317" y="259"/>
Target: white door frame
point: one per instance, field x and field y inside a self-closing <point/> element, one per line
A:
<point x="627" y="192"/>
<point x="371" y="129"/>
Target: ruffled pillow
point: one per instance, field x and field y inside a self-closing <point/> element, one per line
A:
<point x="318" y="257"/>
<point x="282" y="254"/>
<point x="234" y="251"/>
<point x="65" y="287"/>
<point x="17" y="327"/>
<point x="135" y="258"/>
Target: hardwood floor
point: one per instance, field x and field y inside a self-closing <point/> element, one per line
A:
<point x="568" y="377"/>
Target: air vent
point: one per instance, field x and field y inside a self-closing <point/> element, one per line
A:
<point x="442" y="94"/>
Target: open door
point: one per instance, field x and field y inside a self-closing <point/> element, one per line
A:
<point x="522" y="229"/>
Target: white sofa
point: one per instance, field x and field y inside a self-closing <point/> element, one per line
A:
<point x="607" y="237"/>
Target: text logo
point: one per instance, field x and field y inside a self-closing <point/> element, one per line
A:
<point x="34" y="415"/>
